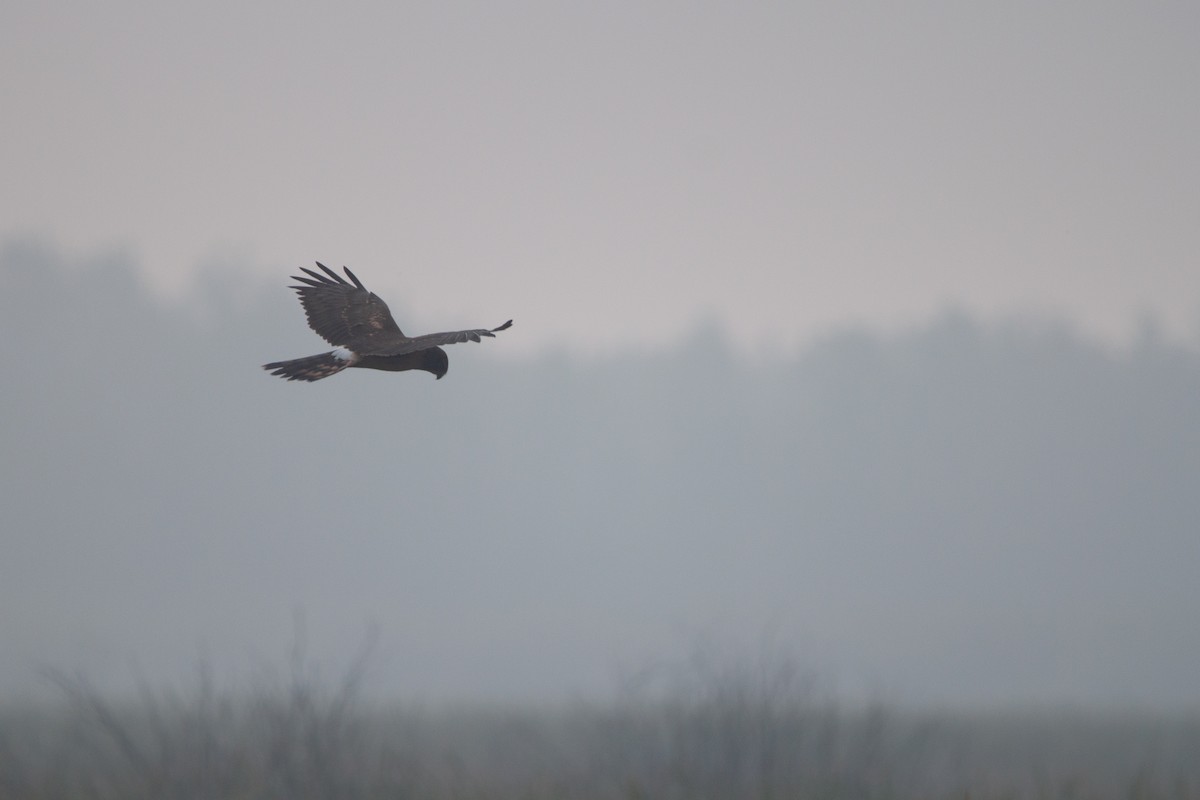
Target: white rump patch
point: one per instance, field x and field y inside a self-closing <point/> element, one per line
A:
<point x="342" y="354"/>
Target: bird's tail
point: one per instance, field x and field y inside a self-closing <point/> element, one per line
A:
<point x="309" y="368"/>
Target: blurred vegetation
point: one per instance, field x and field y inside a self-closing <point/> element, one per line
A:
<point x="700" y="730"/>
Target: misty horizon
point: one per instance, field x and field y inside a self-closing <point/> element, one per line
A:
<point x="960" y="512"/>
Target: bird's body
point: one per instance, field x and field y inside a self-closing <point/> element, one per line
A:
<point x="360" y="327"/>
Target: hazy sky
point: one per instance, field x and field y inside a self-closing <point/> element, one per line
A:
<point x="608" y="173"/>
<point x="952" y="507"/>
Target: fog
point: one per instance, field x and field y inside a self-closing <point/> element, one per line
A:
<point x="957" y="513"/>
<point x="609" y="171"/>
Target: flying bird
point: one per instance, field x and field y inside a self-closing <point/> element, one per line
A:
<point x="363" y="334"/>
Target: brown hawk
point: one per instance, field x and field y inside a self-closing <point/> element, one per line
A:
<point x="360" y="327"/>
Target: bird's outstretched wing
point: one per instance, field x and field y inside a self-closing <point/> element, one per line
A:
<point x="411" y="345"/>
<point x="345" y="314"/>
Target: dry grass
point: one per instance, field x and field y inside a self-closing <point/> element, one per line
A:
<point x="699" y="732"/>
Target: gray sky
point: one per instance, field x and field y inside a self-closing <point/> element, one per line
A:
<point x="608" y="173"/>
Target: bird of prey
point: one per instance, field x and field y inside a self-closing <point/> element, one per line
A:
<point x="363" y="334"/>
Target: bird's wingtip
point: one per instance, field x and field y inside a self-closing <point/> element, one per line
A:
<point x="354" y="278"/>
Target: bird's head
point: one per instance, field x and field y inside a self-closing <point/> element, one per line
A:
<point x="435" y="361"/>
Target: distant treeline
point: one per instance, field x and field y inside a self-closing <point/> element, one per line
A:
<point x="960" y="512"/>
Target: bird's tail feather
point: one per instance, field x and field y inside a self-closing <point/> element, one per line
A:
<point x="309" y="368"/>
